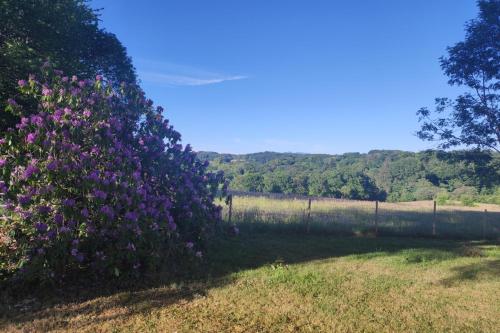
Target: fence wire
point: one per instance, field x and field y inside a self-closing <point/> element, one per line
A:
<point x="352" y="217"/>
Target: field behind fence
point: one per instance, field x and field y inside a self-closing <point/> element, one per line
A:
<point x="351" y="217"/>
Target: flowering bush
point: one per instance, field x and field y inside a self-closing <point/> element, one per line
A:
<point x="96" y="179"/>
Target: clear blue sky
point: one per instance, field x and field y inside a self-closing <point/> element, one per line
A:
<point x="291" y="76"/>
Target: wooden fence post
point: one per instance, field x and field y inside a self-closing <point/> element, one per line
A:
<point x="308" y="216"/>
<point x="230" y="202"/>
<point x="484" y="223"/>
<point x="434" y="220"/>
<point x="376" y="218"/>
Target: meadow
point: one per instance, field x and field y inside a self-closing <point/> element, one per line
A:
<point x="267" y="281"/>
<point x="352" y="217"/>
<point x="275" y="277"/>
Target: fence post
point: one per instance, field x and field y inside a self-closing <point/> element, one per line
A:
<point x="484" y="223"/>
<point x="230" y="202"/>
<point x="434" y="220"/>
<point x="376" y="218"/>
<point x="308" y="215"/>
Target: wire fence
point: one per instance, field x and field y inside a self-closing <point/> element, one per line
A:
<point x="353" y="217"/>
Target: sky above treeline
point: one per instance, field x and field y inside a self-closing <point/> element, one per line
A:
<point x="291" y="76"/>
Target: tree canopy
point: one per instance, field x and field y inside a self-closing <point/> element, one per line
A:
<point x="473" y="118"/>
<point x="379" y="175"/>
<point x="64" y="32"/>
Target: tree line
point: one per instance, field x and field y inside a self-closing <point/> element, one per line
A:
<point x="378" y="175"/>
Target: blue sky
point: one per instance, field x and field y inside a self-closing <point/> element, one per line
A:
<point x="332" y="76"/>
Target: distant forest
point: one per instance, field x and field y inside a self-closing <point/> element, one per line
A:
<point x="385" y="175"/>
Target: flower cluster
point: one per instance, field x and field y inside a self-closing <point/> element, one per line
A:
<point x="97" y="179"/>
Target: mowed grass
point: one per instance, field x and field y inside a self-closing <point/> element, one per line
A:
<point x="350" y="217"/>
<point x="288" y="282"/>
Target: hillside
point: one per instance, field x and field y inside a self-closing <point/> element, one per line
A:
<point x="390" y="175"/>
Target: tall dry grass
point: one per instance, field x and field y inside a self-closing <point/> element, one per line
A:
<point x="358" y="217"/>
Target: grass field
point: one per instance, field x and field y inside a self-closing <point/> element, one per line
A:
<point x="349" y="217"/>
<point x="272" y="282"/>
<point x="274" y="277"/>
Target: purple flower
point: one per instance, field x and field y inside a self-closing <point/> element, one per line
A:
<point x="69" y="202"/>
<point x="108" y="211"/>
<point x="2" y="141"/>
<point x="23" y="124"/>
<point x="94" y="176"/>
<point x="131" y="216"/>
<point x="46" y="91"/>
<point x="30" y="171"/>
<point x="31" y="138"/>
<point x="87" y="113"/>
<point x="189" y="245"/>
<point x="24" y="199"/>
<point x="37" y="120"/>
<point x="41" y="227"/>
<point x="21" y="83"/>
<point x="198" y="254"/>
<point x="78" y="256"/>
<point x="85" y="212"/>
<point x="44" y="209"/>
<point x="3" y="187"/>
<point x="58" y="219"/>
<point x="2" y="162"/>
<point x="57" y="116"/>
<point x="12" y="102"/>
<point x="98" y="77"/>
<point x="100" y="194"/>
<point x="52" y="165"/>
<point x="51" y="234"/>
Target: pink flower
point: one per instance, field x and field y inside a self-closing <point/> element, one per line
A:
<point x="31" y="138"/>
<point x="46" y="91"/>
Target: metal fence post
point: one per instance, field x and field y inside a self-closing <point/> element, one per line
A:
<point x="308" y="215"/>
<point x="484" y="223"/>
<point x="376" y="218"/>
<point x="230" y="202"/>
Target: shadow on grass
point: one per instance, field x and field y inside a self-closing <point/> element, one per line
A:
<point x="482" y="270"/>
<point x="450" y="224"/>
<point x="78" y="306"/>
<point x="258" y="246"/>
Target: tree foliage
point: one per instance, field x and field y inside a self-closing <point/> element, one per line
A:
<point x="473" y="118"/>
<point x="64" y="32"/>
<point x="378" y="175"/>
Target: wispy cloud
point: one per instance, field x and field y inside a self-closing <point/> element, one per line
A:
<point x="172" y="74"/>
<point x="183" y="80"/>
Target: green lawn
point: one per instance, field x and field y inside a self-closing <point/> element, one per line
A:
<point x="285" y="282"/>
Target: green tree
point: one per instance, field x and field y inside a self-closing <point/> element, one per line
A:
<point x="473" y="118"/>
<point x="64" y="32"/>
